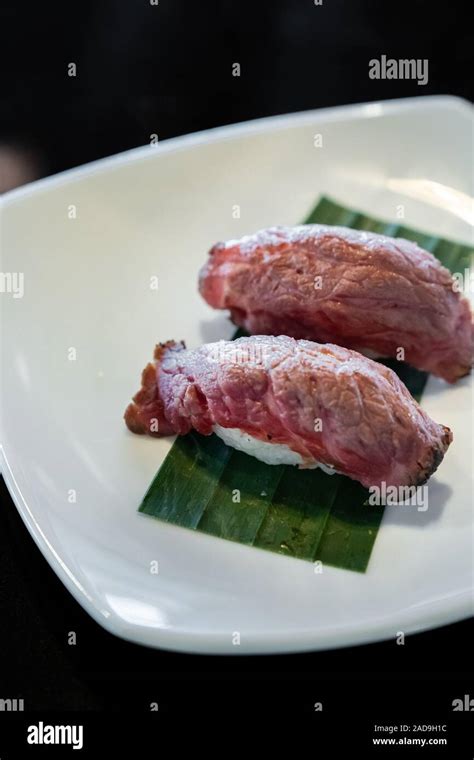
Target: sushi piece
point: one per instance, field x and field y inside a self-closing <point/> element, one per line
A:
<point x="296" y="402"/>
<point x="361" y="290"/>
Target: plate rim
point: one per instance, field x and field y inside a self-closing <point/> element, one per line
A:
<point x="248" y="127"/>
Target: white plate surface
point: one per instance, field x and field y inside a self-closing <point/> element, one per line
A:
<point x="155" y="211"/>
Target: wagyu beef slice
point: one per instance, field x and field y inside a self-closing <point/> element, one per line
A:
<point x="328" y="404"/>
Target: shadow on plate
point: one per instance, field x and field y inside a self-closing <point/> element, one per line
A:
<point x="217" y="328"/>
<point x="434" y="500"/>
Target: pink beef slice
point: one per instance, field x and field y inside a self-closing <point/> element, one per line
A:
<point x="277" y="389"/>
<point x="357" y="289"/>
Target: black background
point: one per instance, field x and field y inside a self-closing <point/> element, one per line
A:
<point x="167" y="69"/>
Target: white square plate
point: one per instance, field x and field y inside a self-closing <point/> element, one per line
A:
<point x="77" y="475"/>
